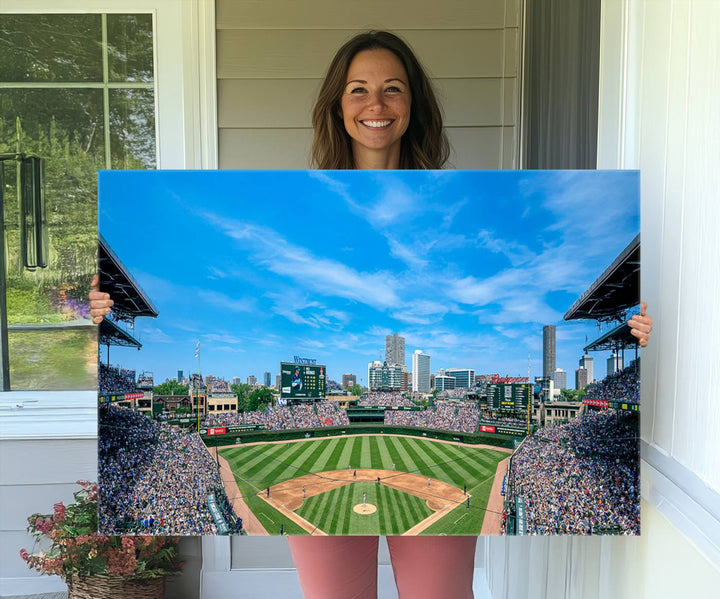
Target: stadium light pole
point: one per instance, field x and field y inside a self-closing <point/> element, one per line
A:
<point x="197" y="355"/>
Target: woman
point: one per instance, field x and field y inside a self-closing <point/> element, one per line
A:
<point x="377" y="110"/>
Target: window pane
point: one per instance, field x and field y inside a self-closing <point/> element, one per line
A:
<point x="50" y="48"/>
<point x="132" y="128"/>
<point x="54" y="359"/>
<point x="65" y="128"/>
<point x="130" y="47"/>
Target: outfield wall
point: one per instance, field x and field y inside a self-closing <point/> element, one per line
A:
<point x="496" y="440"/>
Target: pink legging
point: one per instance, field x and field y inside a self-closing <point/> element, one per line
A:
<point x="346" y="567"/>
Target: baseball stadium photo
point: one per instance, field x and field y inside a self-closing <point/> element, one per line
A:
<point x="369" y="353"/>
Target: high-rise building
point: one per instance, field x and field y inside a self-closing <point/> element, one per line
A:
<point x="614" y="364"/>
<point x="586" y="362"/>
<point x="252" y="380"/>
<point x="581" y="378"/>
<point x="266" y="378"/>
<point x="348" y="380"/>
<point x="464" y="377"/>
<point x="384" y="376"/>
<point x="548" y="350"/>
<point x="237" y="380"/>
<point x="394" y="349"/>
<point x="180" y="376"/>
<point x="420" y="372"/>
<point x="277" y="381"/>
<point x="444" y="383"/>
<point x="559" y="378"/>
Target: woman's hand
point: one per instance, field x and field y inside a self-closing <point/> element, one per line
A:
<point x="100" y="302"/>
<point x="641" y="325"/>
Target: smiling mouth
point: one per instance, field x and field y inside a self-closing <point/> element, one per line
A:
<point x="377" y="124"/>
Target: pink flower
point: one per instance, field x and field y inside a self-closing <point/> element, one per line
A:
<point x="25" y="555"/>
<point x="128" y="543"/>
<point x="44" y="526"/>
<point x="59" y="509"/>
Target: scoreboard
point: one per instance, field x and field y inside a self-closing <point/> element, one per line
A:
<point x="512" y="397"/>
<point x="302" y="381"/>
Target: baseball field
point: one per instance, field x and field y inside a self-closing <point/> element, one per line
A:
<point x="362" y="484"/>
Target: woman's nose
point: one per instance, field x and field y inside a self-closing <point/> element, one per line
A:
<point x="376" y="99"/>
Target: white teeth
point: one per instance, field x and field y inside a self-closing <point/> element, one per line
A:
<point x="376" y="123"/>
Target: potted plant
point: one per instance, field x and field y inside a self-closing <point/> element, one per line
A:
<point x="97" y="566"/>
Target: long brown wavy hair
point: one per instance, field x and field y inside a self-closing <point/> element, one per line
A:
<point x="423" y="146"/>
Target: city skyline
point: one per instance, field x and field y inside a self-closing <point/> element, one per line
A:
<point x="263" y="266"/>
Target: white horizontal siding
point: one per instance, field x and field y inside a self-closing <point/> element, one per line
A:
<point x="398" y="14"/>
<point x="272" y="56"/>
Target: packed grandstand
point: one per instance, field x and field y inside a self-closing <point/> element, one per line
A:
<point x="156" y="479"/>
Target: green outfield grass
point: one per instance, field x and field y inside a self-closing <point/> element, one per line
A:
<point x="396" y="511"/>
<point x="259" y="466"/>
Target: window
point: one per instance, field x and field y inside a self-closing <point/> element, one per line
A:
<point x="78" y="91"/>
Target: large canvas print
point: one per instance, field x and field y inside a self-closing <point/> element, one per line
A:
<point x="369" y="352"/>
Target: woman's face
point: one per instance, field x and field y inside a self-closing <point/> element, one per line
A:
<point x="375" y="103"/>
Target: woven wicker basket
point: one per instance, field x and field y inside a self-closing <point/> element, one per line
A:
<point x="116" y="587"/>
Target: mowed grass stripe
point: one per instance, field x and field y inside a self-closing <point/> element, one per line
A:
<point x="400" y="512"/>
<point x="247" y="457"/>
<point x="445" y="458"/>
<point x="385" y="457"/>
<point x="356" y="452"/>
<point x="342" y="459"/>
<point x="403" y="464"/>
<point x="344" y="509"/>
<point x="426" y="465"/>
<point x="464" y="466"/>
<point x="376" y="460"/>
<point x="383" y="516"/>
<point x="365" y="457"/>
<point x="264" y="463"/>
<point x="324" y="459"/>
<point x="309" y="464"/>
<point x="284" y="468"/>
<point x="335" y="518"/>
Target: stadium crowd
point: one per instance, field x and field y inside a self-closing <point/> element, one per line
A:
<point x="322" y="413"/>
<point x="466" y="419"/>
<point x="445" y="416"/>
<point x="623" y="385"/>
<point x="581" y="477"/>
<point x="154" y="479"/>
<point x="385" y="398"/>
<point x="115" y="380"/>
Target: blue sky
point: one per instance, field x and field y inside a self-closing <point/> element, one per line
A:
<point x="260" y="266"/>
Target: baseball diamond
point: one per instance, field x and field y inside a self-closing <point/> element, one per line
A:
<point x="314" y="485"/>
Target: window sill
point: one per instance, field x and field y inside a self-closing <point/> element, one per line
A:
<point x="688" y="503"/>
<point x="48" y="415"/>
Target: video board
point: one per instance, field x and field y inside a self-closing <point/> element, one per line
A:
<point x="509" y="398"/>
<point x="302" y="381"/>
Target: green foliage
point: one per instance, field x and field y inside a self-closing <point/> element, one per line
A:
<point x="170" y="387"/>
<point x="572" y="394"/>
<point x="355" y="389"/>
<point x="259" y="399"/>
<point x="241" y="391"/>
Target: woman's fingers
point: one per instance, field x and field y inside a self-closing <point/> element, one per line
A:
<point x="100" y="302"/>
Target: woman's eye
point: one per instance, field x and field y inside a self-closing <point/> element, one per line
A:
<point x="357" y="90"/>
<point x="393" y="89"/>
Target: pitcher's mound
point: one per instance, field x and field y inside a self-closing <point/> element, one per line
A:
<point x="366" y="509"/>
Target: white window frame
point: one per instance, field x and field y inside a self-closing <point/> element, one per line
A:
<point x="186" y="137"/>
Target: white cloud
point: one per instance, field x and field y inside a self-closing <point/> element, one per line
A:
<point x="225" y="302"/>
<point x="322" y="275"/>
